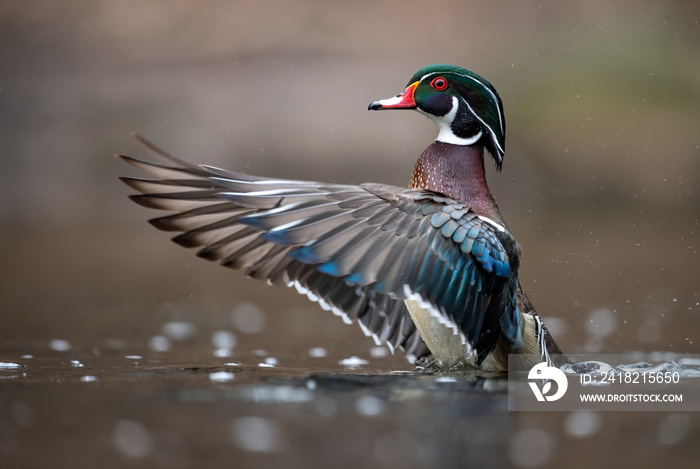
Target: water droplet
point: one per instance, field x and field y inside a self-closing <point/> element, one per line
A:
<point x="59" y="345"/>
<point x="673" y="429"/>
<point x="353" y="362"/>
<point x="326" y="406"/>
<point x="221" y="376"/>
<point x="133" y="439"/>
<point x="248" y="318"/>
<point x="530" y="447"/>
<point x="582" y="423"/>
<point x="270" y="362"/>
<point x="446" y="379"/>
<point x="258" y="434"/>
<point x="178" y="330"/>
<point x="223" y="339"/>
<point x="22" y="414"/>
<point x="159" y="343"/>
<point x="223" y="352"/>
<point x="318" y="352"/>
<point x="601" y="322"/>
<point x="369" y="405"/>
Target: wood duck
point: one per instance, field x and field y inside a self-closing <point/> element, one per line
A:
<point x="431" y="269"/>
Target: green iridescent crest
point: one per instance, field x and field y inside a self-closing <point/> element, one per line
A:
<point x="480" y="96"/>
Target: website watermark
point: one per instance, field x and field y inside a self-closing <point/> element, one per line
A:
<point x="634" y="382"/>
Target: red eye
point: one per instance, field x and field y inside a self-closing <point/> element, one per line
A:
<point x="439" y="84"/>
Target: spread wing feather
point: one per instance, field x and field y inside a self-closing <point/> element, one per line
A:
<point x="359" y="251"/>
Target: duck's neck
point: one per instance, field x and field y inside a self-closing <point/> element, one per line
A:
<point x="458" y="172"/>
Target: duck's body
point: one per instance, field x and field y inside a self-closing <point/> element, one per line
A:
<point x="459" y="173"/>
<point x="432" y="269"/>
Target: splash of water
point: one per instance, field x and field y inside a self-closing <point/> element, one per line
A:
<point x="686" y="368"/>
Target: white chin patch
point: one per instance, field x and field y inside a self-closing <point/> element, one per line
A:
<point x="446" y="136"/>
<point x="444" y="124"/>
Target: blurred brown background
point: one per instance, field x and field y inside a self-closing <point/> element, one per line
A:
<point x="600" y="181"/>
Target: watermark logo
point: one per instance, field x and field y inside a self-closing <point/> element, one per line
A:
<point x="629" y="382"/>
<point x="543" y="375"/>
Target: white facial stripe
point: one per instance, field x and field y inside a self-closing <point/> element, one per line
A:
<point x="495" y="101"/>
<point x="444" y="123"/>
<point x="487" y="88"/>
<point x="493" y="135"/>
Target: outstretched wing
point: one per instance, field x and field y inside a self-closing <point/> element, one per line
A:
<point x="359" y="251"/>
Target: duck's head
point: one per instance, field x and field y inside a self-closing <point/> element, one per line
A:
<point x="466" y="108"/>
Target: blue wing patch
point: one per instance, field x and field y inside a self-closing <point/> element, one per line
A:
<point x="474" y="236"/>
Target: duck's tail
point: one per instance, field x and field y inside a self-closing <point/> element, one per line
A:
<point x="538" y="344"/>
